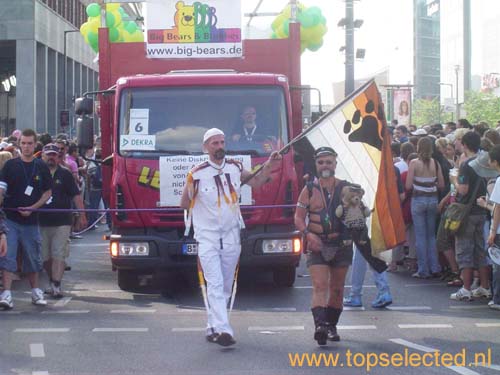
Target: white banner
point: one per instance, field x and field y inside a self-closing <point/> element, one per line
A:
<point x="193" y="29"/>
<point x="174" y="170"/>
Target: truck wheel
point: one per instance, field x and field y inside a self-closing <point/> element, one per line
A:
<point x="127" y="280"/>
<point x="284" y="276"/>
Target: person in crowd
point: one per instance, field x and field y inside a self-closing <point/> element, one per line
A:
<point x="464" y="123"/>
<point x="94" y="173"/>
<point x="494" y="234"/>
<point x="328" y="256"/>
<point x="412" y="128"/>
<point x="469" y="242"/>
<point x="217" y="223"/>
<point x="401" y="134"/>
<point x="55" y="227"/>
<point x="25" y="185"/>
<point x="493" y="136"/>
<point x="459" y="149"/>
<point x="450" y="127"/>
<point x="425" y="178"/>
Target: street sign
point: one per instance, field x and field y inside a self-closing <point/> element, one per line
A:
<point x="64" y="118"/>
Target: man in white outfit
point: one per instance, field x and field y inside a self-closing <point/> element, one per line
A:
<point x="212" y="195"/>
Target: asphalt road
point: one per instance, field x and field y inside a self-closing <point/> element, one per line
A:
<point x="98" y="329"/>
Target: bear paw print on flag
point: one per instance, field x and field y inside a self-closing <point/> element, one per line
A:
<point x="370" y="129"/>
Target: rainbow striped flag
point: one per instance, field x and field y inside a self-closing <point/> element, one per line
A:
<point x="356" y="129"/>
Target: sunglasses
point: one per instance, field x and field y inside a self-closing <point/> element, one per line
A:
<point x="327" y="162"/>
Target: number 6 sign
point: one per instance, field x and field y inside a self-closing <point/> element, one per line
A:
<point x="139" y="121"/>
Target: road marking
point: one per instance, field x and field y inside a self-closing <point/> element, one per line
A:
<point x="97" y="252"/>
<point x="303" y="287"/>
<point x="276" y="328"/>
<point x="120" y="330"/>
<point x="189" y="329"/>
<point x="40" y="373"/>
<point x="425" y="326"/>
<point x="108" y="291"/>
<point x="408" y="308"/>
<point x="354" y="308"/>
<point x="63" y="302"/>
<point x="279" y="309"/>
<point x="67" y="312"/>
<point x="488" y="325"/>
<point x="465" y="307"/>
<point x="37" y="351"/>
<point x="41" y="330"/>
<point x="493" y="367"/>
<point x="132" y="311"/>
<point x="357" y="327"/>
<point x="90" y="244"/>
<point x="462" y="370"/>
<point x="414" y="346"/>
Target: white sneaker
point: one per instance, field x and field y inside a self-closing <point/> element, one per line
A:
<point x="37" y="298"/>
<point x="6" y="301"/>
<point x="481" y="292"/>
<point x="475" y="283"/>
<point x="493" y="305"/>
<point x="57" y="292"/>
<point x="461" y="295"/>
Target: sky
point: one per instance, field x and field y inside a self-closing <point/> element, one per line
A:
<point x="386" y="34"/>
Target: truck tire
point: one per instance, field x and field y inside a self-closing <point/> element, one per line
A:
<point x="127" y="280"/>
<point x="284" y="277"/>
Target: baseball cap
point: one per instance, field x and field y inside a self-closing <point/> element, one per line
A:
<point x="420" y="131"/>
<point x="324" y="151"/>
<point x="211" y="132"/>
<point x="50" y="148"/>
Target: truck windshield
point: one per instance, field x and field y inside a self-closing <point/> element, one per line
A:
<point x="168" y="121"/>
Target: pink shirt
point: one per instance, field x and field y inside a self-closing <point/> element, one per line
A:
<point x="71" y="163"/>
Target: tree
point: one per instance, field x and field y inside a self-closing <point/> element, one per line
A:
<point x="428" y="112"/>
<point x="481" y="106"/>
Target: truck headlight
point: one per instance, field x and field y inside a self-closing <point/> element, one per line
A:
<point x="277" y="246"/>
<point x="134" y="249"/>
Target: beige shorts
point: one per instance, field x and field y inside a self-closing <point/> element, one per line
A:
<point x="55" y="242"/>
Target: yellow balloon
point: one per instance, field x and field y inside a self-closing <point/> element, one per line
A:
<point x="280" y="32"/>
<point x="110" y="7"/>
<point x="278" y="21"/>
<point x="94" y="23"/>
<point x="118" y="18"/>
<point x="84" y="28"/>
<point x="137" y="36"/>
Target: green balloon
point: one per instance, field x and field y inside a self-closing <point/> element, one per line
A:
<point x="274" y="36"/>
<point x="110" y="19"/>
<point x="286" y="27"/>
<point x="131" y="27"/>
<point x="305" y="19"/>
<point x="93" y="38"/>
<point x="114" y="34"/>
<point x="322" y="20"/>
<point x="93" y="10"/>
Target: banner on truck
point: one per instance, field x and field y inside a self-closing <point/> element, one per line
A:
<point x="193" y="29"/>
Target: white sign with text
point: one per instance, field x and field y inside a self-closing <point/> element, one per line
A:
<point x="173" y="174"/>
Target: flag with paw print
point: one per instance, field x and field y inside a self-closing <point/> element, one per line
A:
<point x="356" y="129"/>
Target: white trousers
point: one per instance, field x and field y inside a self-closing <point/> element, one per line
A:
<point x="218" y="266"/>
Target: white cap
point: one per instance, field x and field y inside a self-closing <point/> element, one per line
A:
<point x="420" y="131"/>
<point x="211" y="132"/>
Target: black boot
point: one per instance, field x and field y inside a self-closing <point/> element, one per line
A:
<point x="321" y="330"/>
<point x="333" y="316"/>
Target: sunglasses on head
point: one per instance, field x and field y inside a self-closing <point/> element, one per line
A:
<point x="327" y="162"/>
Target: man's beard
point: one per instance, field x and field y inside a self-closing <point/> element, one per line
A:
<point x="326" y="173"/>
<point x="51" y="163"/>
<point x="220" y="154"/>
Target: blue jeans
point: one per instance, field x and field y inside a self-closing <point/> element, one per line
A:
<point x="94" y="198"/>
<point x="31" y="243"/>
<point x="424" y="211"/>
<point x="358" y="272"/>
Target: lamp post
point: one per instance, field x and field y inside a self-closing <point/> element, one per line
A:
<point x="451" y="91"/>
<point x="457" y="108"/>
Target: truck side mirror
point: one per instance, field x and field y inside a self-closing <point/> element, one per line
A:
<point x="85" y="132"/>
<point x="84" y="106"/>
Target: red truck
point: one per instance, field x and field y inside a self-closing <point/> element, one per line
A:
<point x="153" y="113"/>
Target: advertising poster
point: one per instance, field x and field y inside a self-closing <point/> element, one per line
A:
<point x="402" y="106"/>
<point x="193" y="29"/>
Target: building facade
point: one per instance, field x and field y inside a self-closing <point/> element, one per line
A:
<point x="426" y="47"/>
<point x="32" y="38"/>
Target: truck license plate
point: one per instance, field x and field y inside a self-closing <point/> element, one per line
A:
<point x="190" y="249"/>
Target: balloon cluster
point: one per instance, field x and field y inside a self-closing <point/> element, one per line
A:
<point x="312" y="26"/>
<point x="120" y="31"/>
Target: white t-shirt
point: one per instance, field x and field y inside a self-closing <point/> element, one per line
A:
<point x="495" y="197"/>
<point x="402" y="166"/>
<point x="216" y="211"/>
